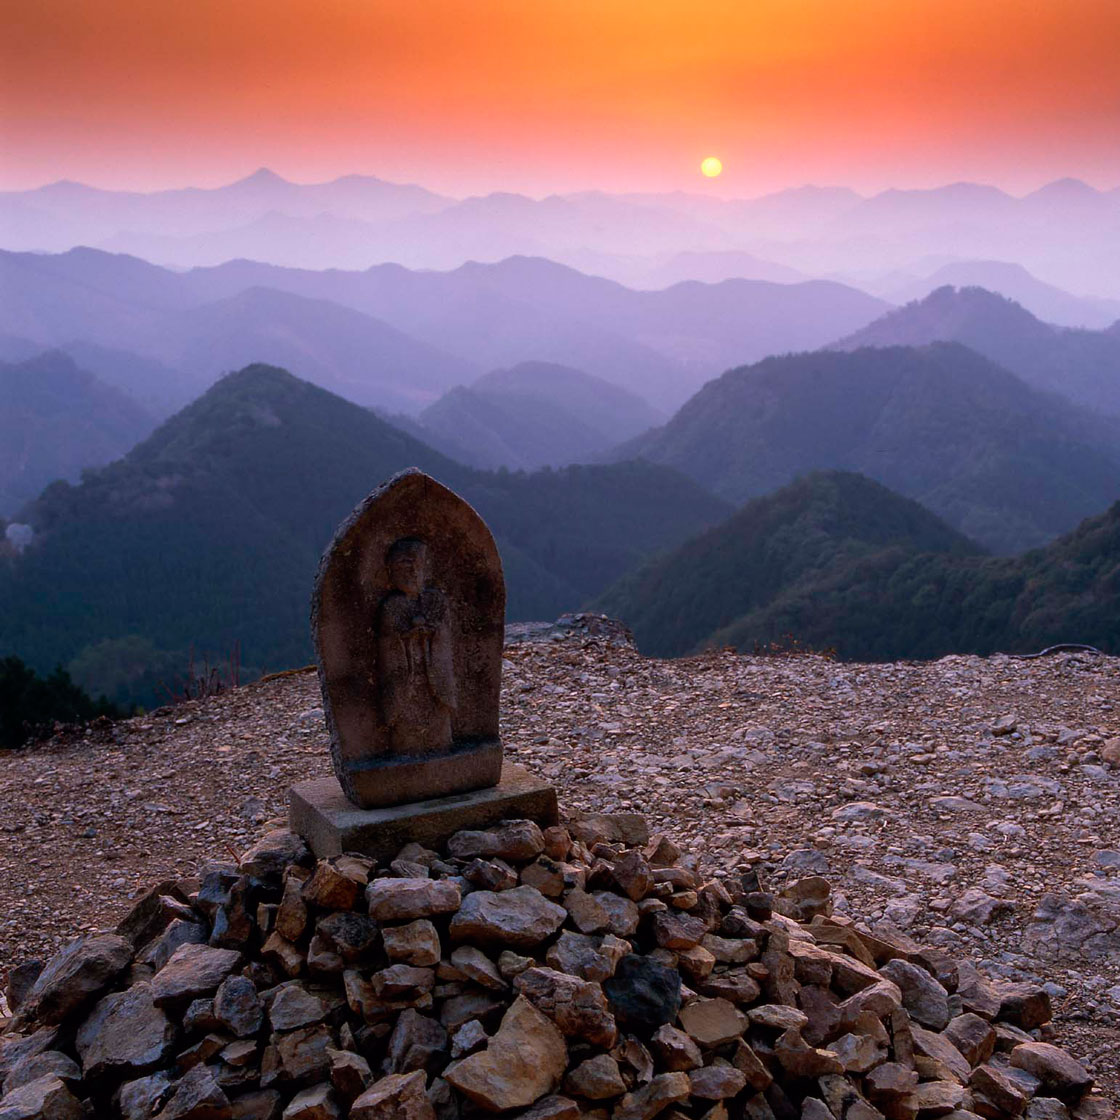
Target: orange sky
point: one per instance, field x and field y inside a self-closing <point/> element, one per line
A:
<point x="537" y="95"/>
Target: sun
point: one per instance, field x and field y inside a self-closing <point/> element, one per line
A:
<point x="711" y="167"/>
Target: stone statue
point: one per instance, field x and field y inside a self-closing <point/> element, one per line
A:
<point x="408" y="620"/>
<point x="416" y="674"/>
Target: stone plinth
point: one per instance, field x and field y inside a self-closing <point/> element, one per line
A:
<point x="321" y="813"/>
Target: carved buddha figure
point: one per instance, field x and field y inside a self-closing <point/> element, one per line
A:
<point x="416" y="670"/>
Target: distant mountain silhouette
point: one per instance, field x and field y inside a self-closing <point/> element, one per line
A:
<point x="810" y="528"/>
<point x="209" y="531"/>
<point x="57" y="420"/>
<point x="1079" y="364"/>
<point x="1045" y="301"/>
<point x="1067" y="233"/>
<point x="837" y="562"/>
<point x="1005" y="464"/>
<point x="660" y="345"/>
<point x="64" y="214"/>
<point x="536" y="414"/>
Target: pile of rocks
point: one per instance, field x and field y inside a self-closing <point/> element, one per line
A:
<point x="584" y="970"/>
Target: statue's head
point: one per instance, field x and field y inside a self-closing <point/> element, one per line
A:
<point x="407" y="562"/>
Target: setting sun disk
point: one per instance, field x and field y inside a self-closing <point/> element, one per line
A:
<point x="711" y="167"/>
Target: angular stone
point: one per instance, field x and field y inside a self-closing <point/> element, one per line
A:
<point x="597" y="1079"/>
<point x="350" y="1073"/>
<point x="553" y="878"/>
<point x="588" y="914"/>
<point x="515" y="840"/>
<point x="139" y="1099"/>
<point x="479" y="968"/>
<point x="317" y="1103"/>
<point x="925" y="999"/>
<point x="197" y="1096"/>
<point x="996" y="1085"/>
<point x="46" y="1098"/>
<point x="524" y="1060"/>
<point x="302" y="1054"/>
<point x="553" y="1107"/>
<point x="291" y="917"/>
<point x="192" y="971"/>
<point x="77" y="974"/>
<point x="622" y="913"/>
<point x="179" y="932"/>
<point x="972" y="1036"/>
<point x="645" y="1103"/>
<point x="712" y="1022"/>
<point x="352" y="936"/>
<point x="1061" y="1075"/>
<point x="674" y="1050"/>
<point x="633" y="874"/>
<point x="320" y="811"/>
<point x="417" y="1042"/>
<point x="520" y="918"/>
<point x="400" y="1096"/>
<point x="1025" y="1005"/>
<point x="941" y="1049"/>
<point x="717" y="1083"/>
<point x="291" y="1006"/>
<point x="577" y="1007"/>
<point x="677" y="931"/>
<point x="153" y="912"/>
<point x="587" y="956"/>
<point x="416" y="943"/>
<point x="272" y="854"/>
<point x="643" y="994"/>
<point x="125" y="1035"/>
<point x="404" y="900"/>
<point x="335" y="884"/>
<point x="801" y="1060"/>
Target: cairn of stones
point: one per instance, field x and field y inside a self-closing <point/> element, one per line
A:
<point x="431" y="940"/>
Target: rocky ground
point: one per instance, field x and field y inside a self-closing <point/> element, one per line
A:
<point x="969" y="802"/>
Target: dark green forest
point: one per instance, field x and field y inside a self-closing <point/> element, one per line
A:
<point x="208" y="534"/>
<point x="838" y="562"/>
<point x="30" y="704"/>
<point x="1008" y="465"/>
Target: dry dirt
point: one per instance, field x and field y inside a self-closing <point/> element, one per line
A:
<point x="802" y="765"/>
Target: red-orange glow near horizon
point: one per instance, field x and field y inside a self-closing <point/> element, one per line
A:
<point x="540" y="94"/>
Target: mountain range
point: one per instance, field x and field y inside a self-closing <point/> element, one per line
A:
<point x="1066" y="233"/>
<point x="344" y="329"/>
<point x="1082" y="365"/>
<point x="208" y="532"/>
<point x="533" y="415"/>
<point x="1002" y="462"/>
<point x="837" y="562"/>
<point x="57" y="420"/>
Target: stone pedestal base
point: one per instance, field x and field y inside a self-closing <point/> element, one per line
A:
<point x="320" y="812"/>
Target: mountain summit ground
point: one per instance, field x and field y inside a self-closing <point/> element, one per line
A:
<point x="970" y="802"/>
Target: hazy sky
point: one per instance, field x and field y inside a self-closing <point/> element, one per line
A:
<point x="541" y="95"/>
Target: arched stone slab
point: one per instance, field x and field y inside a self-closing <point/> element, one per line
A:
<point x="408" y="619"/>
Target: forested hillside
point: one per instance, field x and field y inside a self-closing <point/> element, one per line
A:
<point x="1081" y="365"/>
<point x="1006" y="464"/>
<point x="56" y="420"/>
<point x="817" y="524"/>
<point x="208" y="533"/>
<point x="837" y="562"/>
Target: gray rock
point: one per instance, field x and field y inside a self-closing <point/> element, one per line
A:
<point x="520" y="918"/>
<point x="404" y="900"/>
<point x="76" y="975"/>
<point x="192" y="971"/>
<point x="237" y="1007"/>
<point x="46" y="1098"/>
<point x="125" y="1035"/>
<point x="922" y="996"/>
